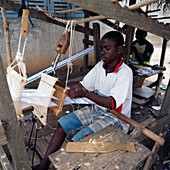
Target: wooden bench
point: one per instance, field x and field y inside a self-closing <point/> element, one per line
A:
<point x="115" y="160"/>
<point x="141" y="93"/>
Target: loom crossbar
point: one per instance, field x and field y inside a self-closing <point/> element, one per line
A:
<point x="60" y="64"/>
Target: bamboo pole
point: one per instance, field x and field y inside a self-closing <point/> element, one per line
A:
<point x="145" y="131"/>
<point x="65" y="11"/>
<point x="6" y="37"/>
<point x="80" y="21"/>
<point x="140" y="4"/>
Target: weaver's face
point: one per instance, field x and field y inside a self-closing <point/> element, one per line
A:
<point x="109" y="50"/>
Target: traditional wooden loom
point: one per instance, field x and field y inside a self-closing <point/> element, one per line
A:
<point x="40" y="99"/>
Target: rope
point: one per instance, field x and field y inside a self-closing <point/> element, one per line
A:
<point x="19" y="58"/>
<point x="69" y="64"/>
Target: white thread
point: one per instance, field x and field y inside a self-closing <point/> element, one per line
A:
<point x="19" y="58"/>
<point x="69" y="64"/>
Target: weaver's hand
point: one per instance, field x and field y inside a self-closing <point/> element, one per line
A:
<point x="77" y="90"/>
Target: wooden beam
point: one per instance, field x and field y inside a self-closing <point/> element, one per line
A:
<point x="116" y="12"/>
<point x="41" y="16"/>
<point x="156" y="126"/>
<point x="12" y="128"/>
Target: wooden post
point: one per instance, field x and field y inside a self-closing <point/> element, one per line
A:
<point x="86" y="39"/>
<point x="160" y="75"/>
<point x="165" y="109"/>
<point x="96" y="37"/>
<point x="12" y="128"/>
<point x="164" y="45"/>
<point x="6" y="36"/>
<point x="152" y="157"/>
<point x="129" y="38"/>
<point x="128" y="42"/>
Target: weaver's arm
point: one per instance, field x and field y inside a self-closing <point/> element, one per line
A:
<point x="77" y="90"/>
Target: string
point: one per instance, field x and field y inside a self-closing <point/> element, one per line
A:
<point x="69" y="64"/>
<point x="19" y="58"/>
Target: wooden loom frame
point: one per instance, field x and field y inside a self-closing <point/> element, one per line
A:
<point x="60" y="93"/>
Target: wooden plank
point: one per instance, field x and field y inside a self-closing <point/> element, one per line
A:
<point x="140" y="101"/>
<point x="113" y="160"/>
<point x="4" y="160"/>
<point x="98" y="147"/>
<point x="24" y="24"/>
<point x="40" y="15"/>
<point x="144" y="92"/>
<point x="12" y="130"/>
<point x="115" y="11"/>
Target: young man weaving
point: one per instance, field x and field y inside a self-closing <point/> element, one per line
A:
<point x="109" y="85"/>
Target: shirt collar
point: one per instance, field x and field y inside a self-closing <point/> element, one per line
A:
<point x="116" y="68"/>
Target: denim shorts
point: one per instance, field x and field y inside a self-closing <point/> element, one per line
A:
<point x="71" y="122"/>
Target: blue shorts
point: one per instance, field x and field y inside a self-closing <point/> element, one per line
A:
<point x="71" y="122"/>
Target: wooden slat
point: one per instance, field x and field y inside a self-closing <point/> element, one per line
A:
<point x="114" y="160"/>
<point x="144" y="92"/>
<point x="140" y="101"/>
<point x="115" y="11"/>
<point x="24" y="24"/>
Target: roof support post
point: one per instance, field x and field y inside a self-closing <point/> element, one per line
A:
<point x="96" y="37"/>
